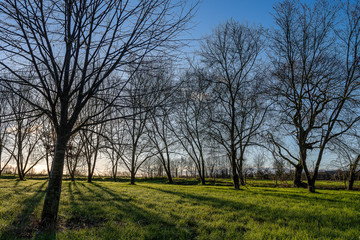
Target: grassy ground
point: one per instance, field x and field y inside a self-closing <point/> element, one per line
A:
<point x="154" y="210"/>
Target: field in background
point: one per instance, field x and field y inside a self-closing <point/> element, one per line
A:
<point x="186" y="210"/>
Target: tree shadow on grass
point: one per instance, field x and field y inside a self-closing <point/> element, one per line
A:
<point x="26" y="223"/>
<point x="83" y="211"/>
<point x="269" y="213"/>
<point x="151" y="223"/>
<point x="309" y="197"/>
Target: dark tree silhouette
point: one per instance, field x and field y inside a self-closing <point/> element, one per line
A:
<point x="65" y="50"/>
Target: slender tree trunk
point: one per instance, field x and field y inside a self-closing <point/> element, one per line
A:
<point x="202" y="171"/>
<point x="234" y="169"/>
<point x="47" y="162"/>
<point x="1" y="149"/>
<point x="168" y="173"/>
<point x="20" y="156"/>
<point x="89" y="178"/>
<point x="132" y="177"/>
<point x="90" y="174"/>
<point x="240" y="171"/>
<point x="72" y="177"/>
<point x="114" y="172"/>
<point x="351" y="181"/>
<point x="353" y="173"/>
<point x="236" y="179"/>
<point x="52" y="198"/>
<point x="203" y="182"/>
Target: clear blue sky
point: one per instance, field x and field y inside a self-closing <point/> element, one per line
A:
<point x="213" y="12"/>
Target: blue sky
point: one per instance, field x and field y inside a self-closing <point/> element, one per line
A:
<point x="213" y="12"/>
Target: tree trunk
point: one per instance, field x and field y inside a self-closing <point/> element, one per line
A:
<point x="353" y="173"/>
<point x="202" y="179"/>
<point x="351" y="181"/>
<point x="297" y="176"/>
<point x="168" y="173"/>
<point x="90" y="175"/>
<point x="236" y="180"/>
<point x="311" y="185"/>
<point x="1" y="149"/>
<point x="47" y="163"/>
<point x="72" y="177"/>
<point x="234" y="171"/>
<point x="242" y="180"/>
<point x="132" y="178"/>
<point x="52" y="198"/>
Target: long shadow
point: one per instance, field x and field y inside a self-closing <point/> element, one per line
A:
<point x="153" y="223"/>
<point x="25" y="224"/>
<point x="83" y="212"/>
<point x="291" y="196"/>
<point x="260" y="213"/>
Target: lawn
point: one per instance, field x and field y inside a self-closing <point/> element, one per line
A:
<point x="154" y="210"/>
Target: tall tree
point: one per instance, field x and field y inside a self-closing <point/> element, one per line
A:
<point x="25" y="136"/>
<point x="143" y="93"/>
<point x="314" y="84"/>
<point x="159" y="132"/>
<point x="231" y="57"/>
<point x="4" y="131"/>
<point x="191" y="121"/>
<point x="71" y="48"/>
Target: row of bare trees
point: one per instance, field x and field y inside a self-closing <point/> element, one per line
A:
<point x="86" y="79"/>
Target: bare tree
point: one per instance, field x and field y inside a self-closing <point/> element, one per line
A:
<point x="347" y="149"/>
<point x="191" y="121"/>
<point x="314" y="84"/>
<point x="143" y="93"/>
<point x="93" y="142"/>
<point x="161" y="138"/>
<point x="115" y="144"/>
<point x="25" y="135"/>
<point x="230" y="55"/>
<point x="74" y="154"/>
<point x="71" y="48"/>
<point x="4" y="131"/>
<point x="48" y="138"/>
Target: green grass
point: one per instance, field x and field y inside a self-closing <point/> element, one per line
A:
<point x="154" y="210"/>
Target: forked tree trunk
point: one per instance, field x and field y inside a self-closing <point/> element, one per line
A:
<point x="311" y="185"/>
<point x="168" y="173"/>
<point x="297" y="176"/>
<point x="52" y="198"/>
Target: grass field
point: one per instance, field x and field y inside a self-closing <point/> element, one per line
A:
<point x="154" y="210"/>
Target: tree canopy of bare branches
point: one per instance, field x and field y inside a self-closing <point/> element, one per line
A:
<point x="65" y="51"/>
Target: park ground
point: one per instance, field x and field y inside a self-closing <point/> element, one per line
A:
<point x="153" y="209"/>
